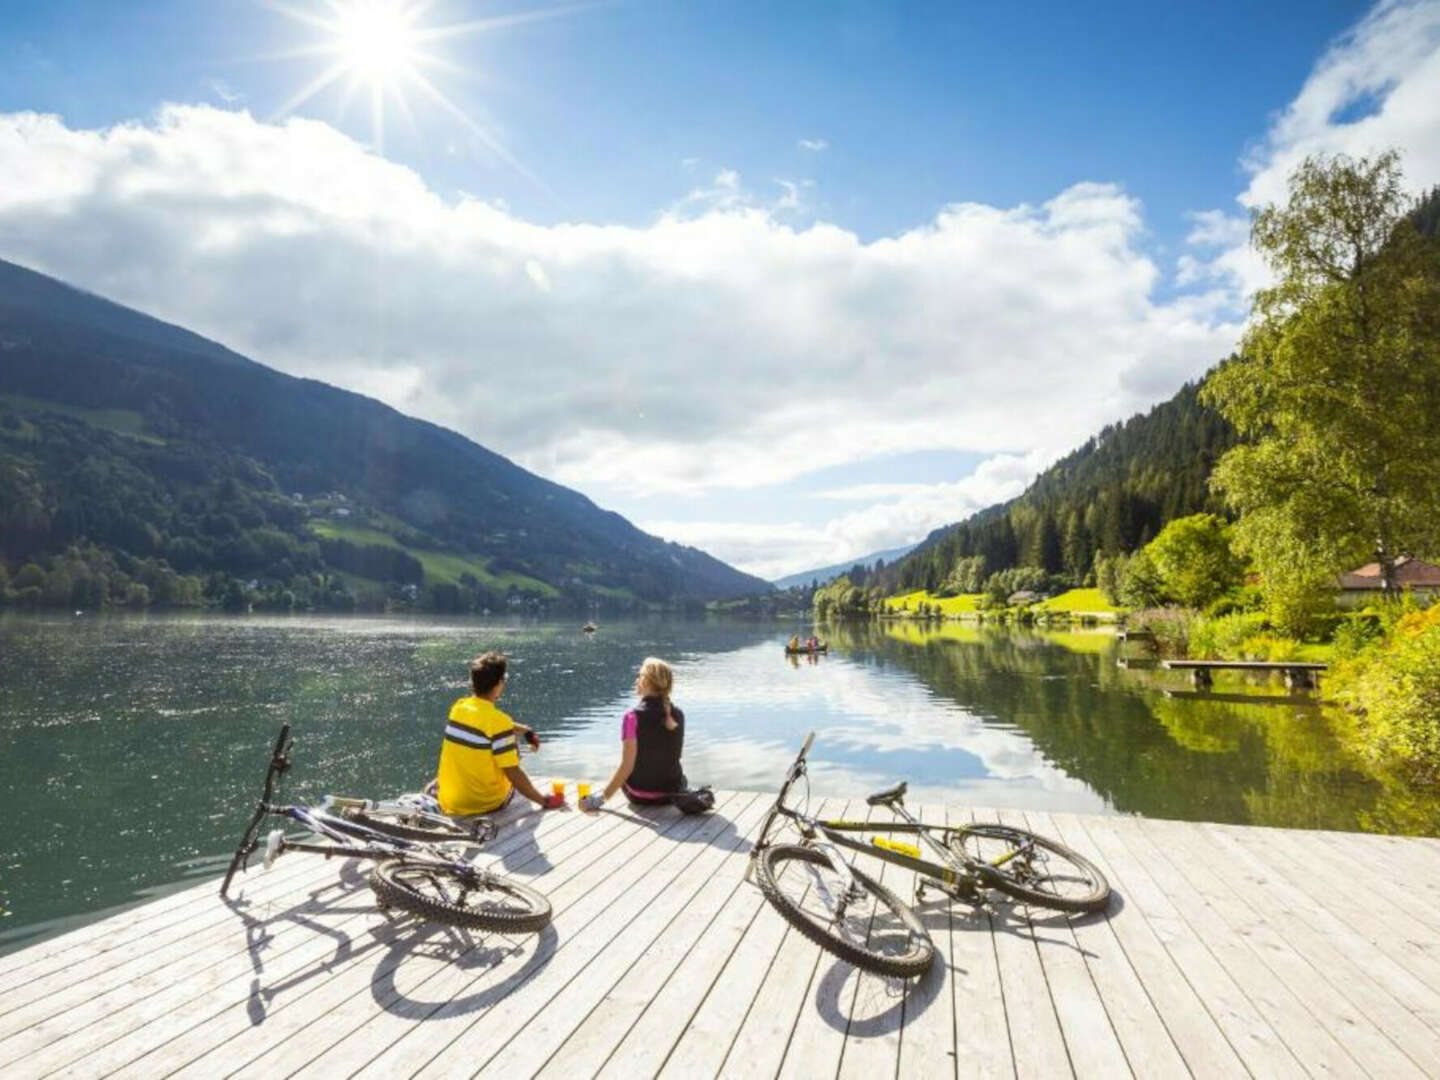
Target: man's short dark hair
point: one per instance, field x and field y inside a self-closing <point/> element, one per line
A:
<point x="486" y="672"/>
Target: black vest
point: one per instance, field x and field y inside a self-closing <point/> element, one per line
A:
<point x="657" y="749"/>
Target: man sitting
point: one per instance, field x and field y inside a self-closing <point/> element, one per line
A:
<point x="479" y="762"/>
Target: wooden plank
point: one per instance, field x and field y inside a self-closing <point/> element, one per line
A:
<point x="1332" y="952"/>
<point x="1138" y="1028"/>
<point x="224" y="1041"/>
<point x="60" y="991"/>
<point x="927" y="1032"/>
<point x="818" y="1038"/>
<point x="1090" y="1037"/>
<point x="138" y="972"/>
<point x="1187" y="1023"/>
<point x="877" y="1012"/>
<point x="290" y="952"/>
<point x="1375" y="933"/>
<point x="435" y="989"/>
<point x="651" y="1045"/>
<point x="1308" y="1038"/>
<point x="764" y="1034"/>
<point x="722" y="863"/>
<point x="1036" y="1039"/>
<point x="982" y="1027"/>
<point x="586" y="1050"/>
<point x="90" y="947"/>
<point x="480" y="1040"/>
<point x="1335" y="1001"/>
<point x="1247" y="1030"/>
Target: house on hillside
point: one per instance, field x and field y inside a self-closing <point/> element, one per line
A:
<point x="1416" y="576"/>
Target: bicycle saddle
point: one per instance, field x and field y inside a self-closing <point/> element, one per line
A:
<point x="889" y="795"/>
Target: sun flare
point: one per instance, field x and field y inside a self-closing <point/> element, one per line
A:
<point x="381" y="51"/>
<point x="376" y="39"/>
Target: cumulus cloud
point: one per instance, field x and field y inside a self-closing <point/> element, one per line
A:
<point x="686" y="351"/>
<point x="1375" y="88"/>
<point x="895" y="514"/>
<point x="813" y="145"/>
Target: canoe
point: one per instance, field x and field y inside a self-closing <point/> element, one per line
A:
<point x="802" y="651"/>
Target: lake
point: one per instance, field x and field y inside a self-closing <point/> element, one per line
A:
<point x="134" y="746"/>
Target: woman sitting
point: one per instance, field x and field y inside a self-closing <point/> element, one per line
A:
<point x="652" y="736"/>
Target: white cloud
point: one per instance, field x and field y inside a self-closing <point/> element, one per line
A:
<point x="813" y="145"/>
<point x="1376" y="87"/>
<point x="754" y="350"/>
<point x="897" y="514"/>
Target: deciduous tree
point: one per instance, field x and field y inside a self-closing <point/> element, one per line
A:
<point x="1337" y="385"/>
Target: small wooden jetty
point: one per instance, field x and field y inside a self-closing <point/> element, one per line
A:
<point x="1227" y="951"/>
<point x="1299" y="675"/>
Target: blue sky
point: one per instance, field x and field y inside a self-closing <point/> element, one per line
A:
<point x="789" y="281"/>
<point x="921" y="104"/>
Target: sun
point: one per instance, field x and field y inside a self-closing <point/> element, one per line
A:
<point x="381" y="50"/>
<point x="377" y="40"/>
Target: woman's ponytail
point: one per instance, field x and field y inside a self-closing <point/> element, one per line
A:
<point x="657" y="676"/>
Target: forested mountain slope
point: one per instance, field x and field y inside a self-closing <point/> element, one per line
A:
<point x="133" y="440"/>
<point x="1113" y="494"/>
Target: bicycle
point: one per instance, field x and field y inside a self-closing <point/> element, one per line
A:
<point x="840" y="907"/>
<point x="415" y="869"/>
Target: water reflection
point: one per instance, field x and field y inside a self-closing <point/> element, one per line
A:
<point x="132" y="747"/>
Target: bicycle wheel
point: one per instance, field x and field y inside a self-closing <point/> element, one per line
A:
<point x="461" y="897"/>
<point x="1032" y="868"/>
<point x="413" y="824"/>
<point x="871" y="928"/>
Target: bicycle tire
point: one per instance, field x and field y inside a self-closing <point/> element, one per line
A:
<point x="912" y="963"/>
<point x="1018" y="877"/>
<point x="458" y="898"/>
<point x="411" y="824"/>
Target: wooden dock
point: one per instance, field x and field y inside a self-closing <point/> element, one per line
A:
<point x="1228" y="951"/>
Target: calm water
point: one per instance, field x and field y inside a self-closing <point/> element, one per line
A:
<point x="132" y="748"/>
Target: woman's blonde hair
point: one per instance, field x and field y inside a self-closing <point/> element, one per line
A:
<point x="657" y="676"/>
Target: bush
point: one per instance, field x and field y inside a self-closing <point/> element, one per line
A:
<point x="1356" y="634"/>
<point x="1222" y="638"/>
<point x="1170" y="626"/>
<point x="1395" y="686"/>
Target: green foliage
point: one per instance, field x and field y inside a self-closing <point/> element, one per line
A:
<point x="151" y="443"/>
<point x="1336" y="386"/>
<point x="1140" y="582"/>
<point x="1170" y="626"/>
<point x="1110" y="496"/>
<point x="1222" y="638"/>
<point x="1394" y="686"/>
<point x="1193" y="559"/>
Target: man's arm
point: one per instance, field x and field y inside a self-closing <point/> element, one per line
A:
<point x="523" y="785"/>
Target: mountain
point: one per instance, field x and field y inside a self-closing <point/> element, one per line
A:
<point x="826" y="573"/>
<point x="1112" y="494"/>
<point x="138" y="443"/>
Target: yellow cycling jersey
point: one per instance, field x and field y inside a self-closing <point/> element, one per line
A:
<point x="479" y="743"/>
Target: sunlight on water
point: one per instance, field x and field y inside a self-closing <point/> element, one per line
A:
<point x="134" y="746"/>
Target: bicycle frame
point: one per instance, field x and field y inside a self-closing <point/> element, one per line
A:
<point x="350" y="839"/>
<point x="956" y="874"/>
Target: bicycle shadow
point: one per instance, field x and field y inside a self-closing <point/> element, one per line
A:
<point x="528" y="852"/>
<point x="878" y="1005"/>
<point x="463" y="954"/>
<point x="260" y="934"/>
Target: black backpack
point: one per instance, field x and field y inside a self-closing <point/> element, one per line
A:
<point x="699" y="801"/>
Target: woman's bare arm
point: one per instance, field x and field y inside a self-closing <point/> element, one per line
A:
<point x="625" y="768"/>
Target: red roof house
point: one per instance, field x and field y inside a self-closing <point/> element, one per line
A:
<point x="1411" y="575"/>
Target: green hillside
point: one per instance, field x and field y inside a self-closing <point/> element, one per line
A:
<point x="136" y="453"/>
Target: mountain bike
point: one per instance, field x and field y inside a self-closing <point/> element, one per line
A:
<point x="418" y="860"/>
<point x="845" y="911"/>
